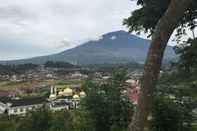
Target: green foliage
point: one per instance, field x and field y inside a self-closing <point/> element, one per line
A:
<point x="7" y="126"/>
<point x="62" y="121"/>
<point x="109" y="109"/>
<point x="170" y="115"/>
<point x="45" y="120"/>
<point x="117" y="66"/>
<point x="188" y="57"/>
<point x="88" y="85"/>
<point x="58" y="64"/>
<point x="106" y="108"/>
<point x="146" y="17"/>
<point x="119" y="76"/>
<point x="36" y="121"/>
<point x="176" y="91"/>
<point x="82" y="121"/>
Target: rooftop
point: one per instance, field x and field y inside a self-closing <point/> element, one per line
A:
<point x="23" y="102"/>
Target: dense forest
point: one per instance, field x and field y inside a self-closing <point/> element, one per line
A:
<point x="22" y="68"/>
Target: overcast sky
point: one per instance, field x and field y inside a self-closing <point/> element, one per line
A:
<point x="39" y="27"/>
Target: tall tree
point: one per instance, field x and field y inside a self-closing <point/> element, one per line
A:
<point x="107" y="106"/>
<point x="161" y="34"/>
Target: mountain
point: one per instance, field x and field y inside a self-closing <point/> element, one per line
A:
<point x="111" y="48"/>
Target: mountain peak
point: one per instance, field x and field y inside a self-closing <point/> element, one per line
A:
<point x="121" y="34"/>
<point x="114" y="47"/>
<point x="116" y="33"/>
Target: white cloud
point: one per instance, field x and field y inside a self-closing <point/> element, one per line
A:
<point x="55" y="25"/>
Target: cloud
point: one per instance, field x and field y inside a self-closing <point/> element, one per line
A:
<point x="43" y="27"/>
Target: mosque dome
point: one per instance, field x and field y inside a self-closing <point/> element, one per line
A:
<point x="61" y="93"/>
<point x="82" y="94"/>
<point x="68" y="92"/>
<point x="76" y="97"/>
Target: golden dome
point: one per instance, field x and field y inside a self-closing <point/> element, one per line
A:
<point x="68" y="92"/>
<point x="82" y="94"/>
<point x="76" y="97"/>
<point x="61" y="93"/>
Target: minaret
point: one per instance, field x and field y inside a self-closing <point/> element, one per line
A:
<point x="55" y="90"/>
<point x="52" y="91"/>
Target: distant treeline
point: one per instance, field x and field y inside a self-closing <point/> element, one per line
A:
<point x="22" y="68"/>
<point x="58" y="64"/>
<point x="16" y="69"/>
<point x="112" y="67"/>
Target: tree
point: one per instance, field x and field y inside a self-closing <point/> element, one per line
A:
<point x="170" y="115"/>
<point x="58" y="64"/>
<point x="38" y="120"/>
<point x="107" y="106"/>
<point x="147" y="16"/>
<point x="188" y="57"/>
<point x="175" y="99"/>
<point x="161" y="34"/>
<point x="82" y="121"/>
<point x="61" y="121"/>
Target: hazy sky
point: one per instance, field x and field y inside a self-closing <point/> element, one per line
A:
<point x="39" y="27"/>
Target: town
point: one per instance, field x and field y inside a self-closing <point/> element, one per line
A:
<point x="57" y="88"/>
<point x="97" y="65"/>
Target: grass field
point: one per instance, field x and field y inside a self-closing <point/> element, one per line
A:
<point x="9" y="85"/>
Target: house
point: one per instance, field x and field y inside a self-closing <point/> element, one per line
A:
<point x="78" y="75"/>
<point x="15" y="78"/>
<point x="17" y="106"/>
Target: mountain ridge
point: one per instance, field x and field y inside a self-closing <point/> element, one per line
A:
<point x="111" y="48"/>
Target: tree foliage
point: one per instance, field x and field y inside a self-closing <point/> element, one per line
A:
<point x="58" y="64"/>
<point x="106" y="108"/>
<point x="147" y="16"/>
<point x="170" y="115"/>
<point x="164" y="20"/>
<point x="177" y="88"/>
<point x="188" y="56"/>
<point x="109" y="109"/>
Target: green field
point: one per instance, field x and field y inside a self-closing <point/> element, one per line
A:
<point x="9" y="85"/>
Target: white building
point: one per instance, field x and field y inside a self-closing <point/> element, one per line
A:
<point x="60" y="104"/>
<point x="20" y="106"/>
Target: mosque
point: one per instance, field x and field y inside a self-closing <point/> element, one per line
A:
<point x="64" y="98"/>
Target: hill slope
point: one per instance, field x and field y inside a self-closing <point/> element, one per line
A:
<point x="114" y="47"/>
